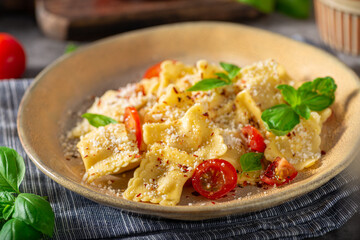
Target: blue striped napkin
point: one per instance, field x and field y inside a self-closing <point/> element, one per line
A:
<point x="311" y="215"/>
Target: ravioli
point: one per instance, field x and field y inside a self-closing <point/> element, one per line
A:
<point x="108" y="150"/>
<point x="161" y="176"/>
<point x="190" y="133"/>
<point x="261" y="80"/>
<point x="301" y="147"/>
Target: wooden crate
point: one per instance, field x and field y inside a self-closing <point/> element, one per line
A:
<point x="91" y="19"/>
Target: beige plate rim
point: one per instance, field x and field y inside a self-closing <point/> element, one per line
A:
<point x="177" y="212"/>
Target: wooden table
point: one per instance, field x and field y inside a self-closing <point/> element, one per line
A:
<point x="41" y="51"/>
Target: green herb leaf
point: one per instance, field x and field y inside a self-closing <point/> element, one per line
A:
<point x="7" y="211"/>
<point x="71" y="47"/>
<point x="303" y="110"/>
<point x="35" y="211"/>
<point x="223" y="76"/>
<point x="12" y="170"/>
<point x="265" y="6"/>
<point x="231" y="69"/>
<point x="98" y="120"/>
<point x="251" y="161"/>
<point x="318" y="94"/>
<point x="208" y="84"/>
<point x="289" y="93"/>
<point x="280" y="119"/>
<point x="6" y="198"/>
<point x="294" y="8"/>
<point x="15" y="229"/>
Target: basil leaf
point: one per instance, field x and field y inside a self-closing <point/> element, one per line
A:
<point x="15" y="229"/>
<point x="280" y="119"/>
<point x="294" y="8"/>
<point x="7" y="211"/>
<point x="314" y="101"/>
<point x="6" y="198"/>
<point x="289" y="93"/>
<point x="208" y="84"/>
<point x="98" y="120"/>
<point x="231" y="69"/>
<point x="303" y="110"/>
<point x="35" y="211"/>
<point x="223" y="76"/>
<point x="251" y="161"/>
<point x="266" y="6"/>
<point x="12" y="170"/>
<point x="318" y="94"/>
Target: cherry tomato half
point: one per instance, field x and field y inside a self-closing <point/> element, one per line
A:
<point x="255" y="140"/>
<point x="154" y="71"/>
<point x="132" y="123"/>
<point x="12" y="57"/>
<point x="214" y="178"/>
<point x="279" y="172"/>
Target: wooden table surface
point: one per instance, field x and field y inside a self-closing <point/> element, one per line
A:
<point x="41" y="51"/>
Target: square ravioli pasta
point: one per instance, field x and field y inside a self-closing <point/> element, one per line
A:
<point x="178" y="117"/>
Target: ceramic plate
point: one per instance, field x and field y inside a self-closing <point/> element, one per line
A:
<point x="48" y="109"/>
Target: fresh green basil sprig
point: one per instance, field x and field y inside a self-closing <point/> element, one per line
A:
<point x="98" y="120"/>
<point x="310" y="96"/>
<point x="223" y="79"/>
<point x="22" y="215"/>
<point x="251" y="161"/>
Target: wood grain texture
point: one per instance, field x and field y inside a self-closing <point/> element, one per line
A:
<point x="84" y="19"/>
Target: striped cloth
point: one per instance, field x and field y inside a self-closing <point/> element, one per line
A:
<point x="311" y="215"/>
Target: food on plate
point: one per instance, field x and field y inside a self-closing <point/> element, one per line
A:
<point x="211" y="126"/>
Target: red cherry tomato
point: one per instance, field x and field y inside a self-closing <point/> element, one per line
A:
<point x="279" y="172"/>
<point x="132" y="123"/>
<point x="12" y="57"/>
<point x="255" y="140"/>
<point x="214" y="178"/>
<point x="154" y="71"/>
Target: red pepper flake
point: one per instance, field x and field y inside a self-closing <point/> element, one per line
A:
<point x="179" y="99"/>
<point x="165" y="102"/>
<point x="188" y="97"/>
<point x="196" y="155"/>
<point x="140" y="88"/>
<point x="167" y="162"/>
<point x="99" y="102"/>
<point x="67" y="159"/>
<point x="185" y="176"/>
<point x="206" y="114"/>
<point x="92" y="174"/>
<point x="176" y="91"/>
<point x="212" y="134"/>
<point x="86" y="156"/>
<point x="138" y="195"/>
<point x="137" y="155"/>
<point x="213" y="203"/>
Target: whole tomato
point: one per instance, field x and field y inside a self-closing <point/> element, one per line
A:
<point x="12" y="57"/>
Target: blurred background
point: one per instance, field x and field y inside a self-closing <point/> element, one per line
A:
<point x="46" y="28"/>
